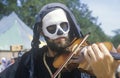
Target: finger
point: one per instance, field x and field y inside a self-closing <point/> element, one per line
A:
<point x="97" y="51"/>
<point x="91" y="53"/>
<point x="103" y="49"/>
<point x="118" y="61"/>
<point x="87" y="57"/>
<point x="108" y="59"/>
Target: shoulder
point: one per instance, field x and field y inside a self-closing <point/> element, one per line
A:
<point x="38" y="52"/>
<point x="35" y="51"/>
<point x="42" y="50"/>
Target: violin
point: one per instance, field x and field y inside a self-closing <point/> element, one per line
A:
<point x="77" y="44"/>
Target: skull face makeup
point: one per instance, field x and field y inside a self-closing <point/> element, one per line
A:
<point x="55" y="24"/>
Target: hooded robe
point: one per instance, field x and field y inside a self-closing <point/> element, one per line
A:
<point x="32" y="63"/>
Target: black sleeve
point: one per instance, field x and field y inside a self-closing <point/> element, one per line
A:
<point x="23" y="67"/>
<point x="80" y="73"/>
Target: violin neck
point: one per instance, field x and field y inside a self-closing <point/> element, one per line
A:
<point x="116" y="56"/>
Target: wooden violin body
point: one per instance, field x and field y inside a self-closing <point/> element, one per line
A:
<point x="61" y="60"/>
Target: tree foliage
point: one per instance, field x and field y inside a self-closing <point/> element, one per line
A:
<point x="29" y="8"/>
<point x="116" y="38"/>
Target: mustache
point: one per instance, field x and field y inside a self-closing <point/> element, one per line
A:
<point x="59" y="48"/>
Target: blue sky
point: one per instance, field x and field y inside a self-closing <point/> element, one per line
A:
<point x="108" y="12"/>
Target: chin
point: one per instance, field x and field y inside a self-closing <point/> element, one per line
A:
<point x="58" y="45"/>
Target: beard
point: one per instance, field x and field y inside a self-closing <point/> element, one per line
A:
<point x="58" y="47"/>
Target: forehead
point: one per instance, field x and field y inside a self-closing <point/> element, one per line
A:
<point x="55" y="16"/>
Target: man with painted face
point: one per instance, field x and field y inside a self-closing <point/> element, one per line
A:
<point x="56" y="30"/>
<point x="58" y="26"/>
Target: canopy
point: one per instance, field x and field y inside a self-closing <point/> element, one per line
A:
<point x="13" y="31"/>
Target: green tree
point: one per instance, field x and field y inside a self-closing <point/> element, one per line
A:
<point x="116" y="38"/>
<point x="30" y="8"/>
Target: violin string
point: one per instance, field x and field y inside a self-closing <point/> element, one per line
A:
<point x="48" y="68"/>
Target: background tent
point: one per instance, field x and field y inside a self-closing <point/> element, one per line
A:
<point x="14" y="32"/>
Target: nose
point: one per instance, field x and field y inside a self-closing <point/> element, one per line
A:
<point x="59" y="32"/>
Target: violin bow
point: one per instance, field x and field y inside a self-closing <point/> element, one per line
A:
<point x="70" y="56"/>
<point x="116" y="56"/>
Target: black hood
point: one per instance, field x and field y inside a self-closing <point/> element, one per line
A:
<point x="74" y="27"/>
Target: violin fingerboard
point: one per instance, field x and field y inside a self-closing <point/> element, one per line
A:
<point x="116" y="56"/>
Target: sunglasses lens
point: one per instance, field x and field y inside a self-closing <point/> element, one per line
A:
<point x="51" y="29"/>
<point x="64" y="26"/>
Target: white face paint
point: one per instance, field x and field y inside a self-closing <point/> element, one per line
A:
<point x="55" y="24"/>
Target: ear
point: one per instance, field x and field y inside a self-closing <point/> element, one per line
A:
<point x="41" y="33"/>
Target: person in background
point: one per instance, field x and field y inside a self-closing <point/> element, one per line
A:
<point x="56" y="23"/>
<point x="11" y="61"/>
<point x="3" y="65"/>
<point x="20" y="53"/>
